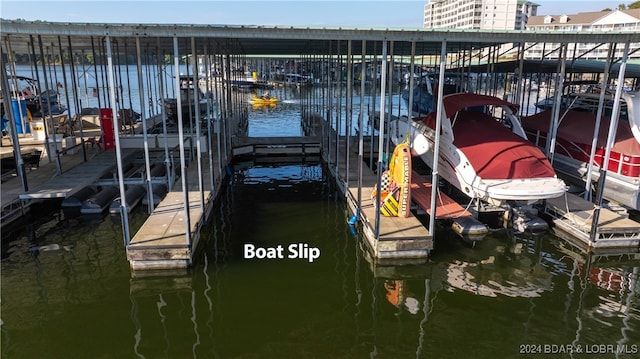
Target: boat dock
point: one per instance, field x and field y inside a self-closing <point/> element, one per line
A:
<point x="162" y="241"/>
<point x="388" y="238"/>
<point x="397" y="238"/>
<point x="336" y="59"/>
<point x="291" y="148"/>
<point x="572" y="217"/>
<point x="7" y="152"/>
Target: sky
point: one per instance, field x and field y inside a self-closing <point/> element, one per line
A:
<point x="298" y="13"/>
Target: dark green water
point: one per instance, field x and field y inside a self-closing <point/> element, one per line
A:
<point x="503" y="297"/>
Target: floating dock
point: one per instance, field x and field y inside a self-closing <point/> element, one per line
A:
<point x="161" y="242"/>
<point x="398" y="238"/>
<point x="572" y="219"/>
<point x="295" y="147"/>
<point x="387" y="237"/>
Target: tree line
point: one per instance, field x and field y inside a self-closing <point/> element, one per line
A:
<point x="85" y="59"/>
<point x="633" y="5"/>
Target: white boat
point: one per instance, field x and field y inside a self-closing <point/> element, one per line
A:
<point x="483" y="152"/>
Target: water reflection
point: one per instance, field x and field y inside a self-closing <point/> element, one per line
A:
<point x="525" y="279"/>
<point x="606" y="290"/>
<point x="506" y="270"/>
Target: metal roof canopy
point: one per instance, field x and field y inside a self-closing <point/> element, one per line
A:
<point x="280" y="41"/>
<point x="551" y="66"/>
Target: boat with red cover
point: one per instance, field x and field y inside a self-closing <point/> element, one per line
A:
<point x="574" y="137"/>
<point x="483" y="152"/>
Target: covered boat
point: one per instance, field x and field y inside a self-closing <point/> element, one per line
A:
<point x="483" y="150"/>
<point x="574" y="138"/>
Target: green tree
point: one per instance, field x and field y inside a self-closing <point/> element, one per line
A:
<point x="633" y="5"/>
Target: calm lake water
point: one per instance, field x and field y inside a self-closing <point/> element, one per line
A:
<point x="502" y="298"/>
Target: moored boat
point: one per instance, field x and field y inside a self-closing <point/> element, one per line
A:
<point x="40" y="102"/>
<point x="187" y="104"/>
<point x="574" y="138"/>
<point x="483" y="150"/>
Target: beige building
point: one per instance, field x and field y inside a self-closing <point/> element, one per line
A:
<point x="615" y="21"/>
<point x="478" y="14"/>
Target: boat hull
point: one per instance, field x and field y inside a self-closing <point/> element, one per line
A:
<point x="456" y="168"/>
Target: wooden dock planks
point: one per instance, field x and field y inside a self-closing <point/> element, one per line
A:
<point x="277" y="146"/>
<point x="7" y="152"/>
<point x="162" y="242"/>
<point x="574" y="215"/>
<point x="398" y="238"/>
<point x="446" y="207"/>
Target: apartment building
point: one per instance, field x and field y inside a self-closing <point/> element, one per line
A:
<point x="479" y="14"/>
<point x="617" y="20"/>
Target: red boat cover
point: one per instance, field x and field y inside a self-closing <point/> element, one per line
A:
<point x="459" y="101"/>
<point x="495" y="152"/>
<point x="578" y="127"/>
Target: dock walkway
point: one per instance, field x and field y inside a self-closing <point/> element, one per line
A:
<point x="42" y="178"/>
<point x="446" y="207"/>
<point x="298" y="146"/>
<point x="161" y="243"/>
<point x="403" y="239"/>
<point x="574" y="216"/>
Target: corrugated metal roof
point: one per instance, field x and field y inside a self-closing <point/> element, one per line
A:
<point x="632" y="70"/>
<point x="263" y="40"/>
